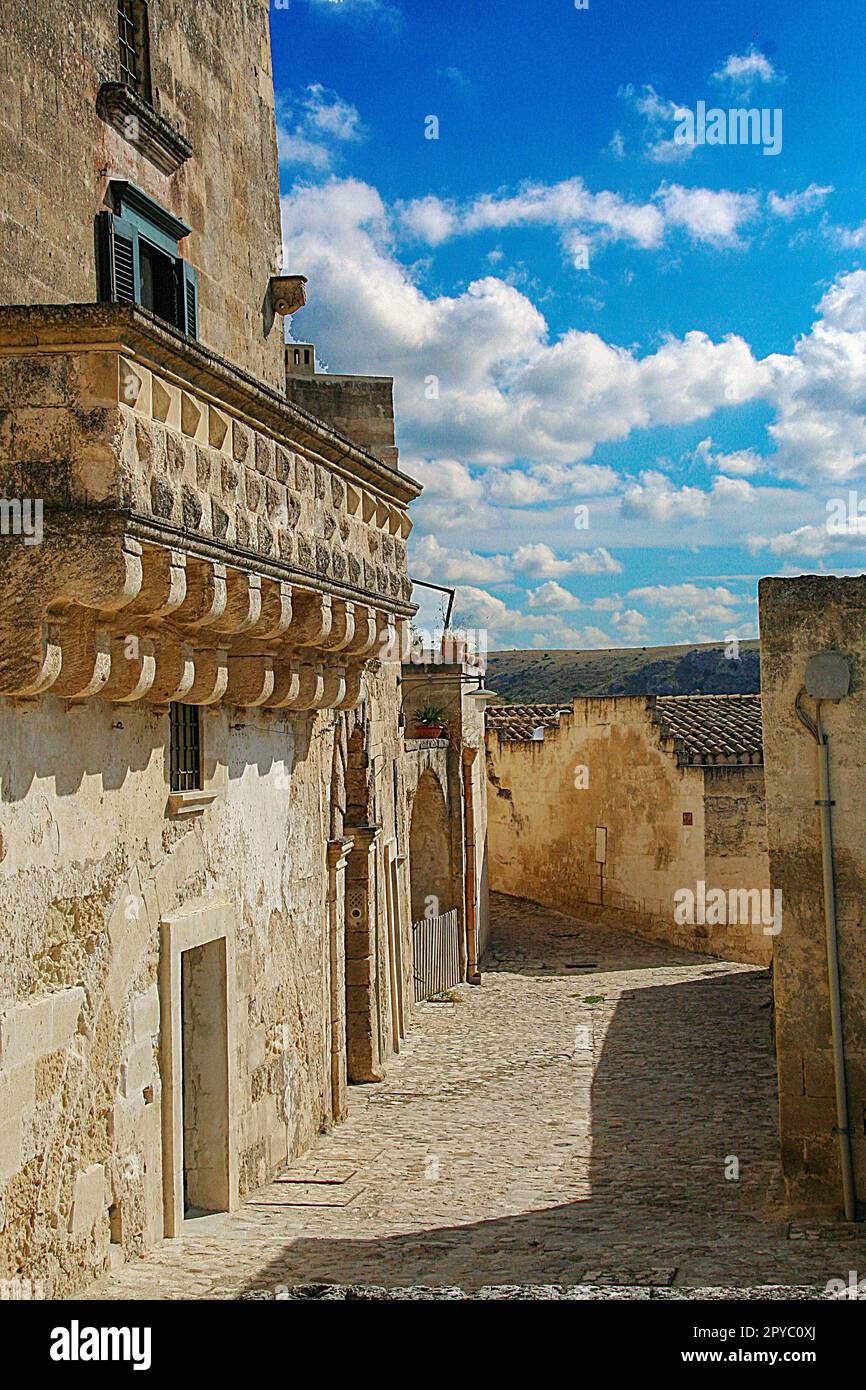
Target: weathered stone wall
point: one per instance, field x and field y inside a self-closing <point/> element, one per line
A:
<point x="448" y="686"/>
<point x="211" y="77"/>
<point x="604" y="768"/>
<point x="799" y="618"/>
<point x="90" y="865"/>
<point x="204" y="542"/>
<point x="735" y="826"/>
<point x="99" y="429"/>
<point x="359" y="407"/>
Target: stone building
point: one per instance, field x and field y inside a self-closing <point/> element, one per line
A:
<point x="448" y="826"/>
<point x="205" y="789"/>
<point x="648" y="812"/>
<point x="360" y="406"/>
<point x="803" y="619"/>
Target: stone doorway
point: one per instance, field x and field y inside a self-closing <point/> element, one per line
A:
<point x="205" y="1080"/>
<point x="197" y="1047"/>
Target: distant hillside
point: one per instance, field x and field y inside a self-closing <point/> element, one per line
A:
<point x="542" y="676"/>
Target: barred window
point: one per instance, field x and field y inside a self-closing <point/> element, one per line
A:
<point x="185" y="748"/>
<point x="133" y="36"/>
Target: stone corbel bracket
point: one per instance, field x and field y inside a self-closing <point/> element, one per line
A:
<point x="128" y="621"/>
<point x="124" y="110"/>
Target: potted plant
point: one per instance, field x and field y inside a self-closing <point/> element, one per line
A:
<point x="430" y="722"/>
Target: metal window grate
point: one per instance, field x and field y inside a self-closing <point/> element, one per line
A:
<point x="185" y="748"/>
<point x="130" y="70"/>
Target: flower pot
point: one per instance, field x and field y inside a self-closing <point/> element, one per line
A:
<point x="428" y="730"/>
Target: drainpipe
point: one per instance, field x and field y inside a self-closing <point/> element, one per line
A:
<point x="825" y="803"/>
<point x="472" y="972"/>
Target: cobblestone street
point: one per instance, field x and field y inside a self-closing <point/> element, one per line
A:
<point x="569" y="1121"/>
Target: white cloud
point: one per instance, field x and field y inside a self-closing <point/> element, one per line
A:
<point x="745" y="70"/>
<point x="548" y="482"/>
<point x="732" y="489"/>
<point x="446" y="478"/>
<point x="658" y="116"/>
<point x="509" y="627"/>
<point x="849" y="238"/>
<point x="566" y="204"/>
<point x="709" y="215"/>
<point x="311" y="126"/>
<point x="325" y="111"/>
<point x="811" y="541"/>
<point x="712" y="216"/>
<point x="551" y="597"/>
<point x="380" y="10"/>
<point x="656" y="498"/>
<point x="820" y="390"/>
<point x="743" y="462"/>
<point x="514" y="487"/>
<point x="539" y="562"/>
<point x="429" y="219"/>
<point x="696" y="613"/>
<point x="672" y="595"/>
<point x="502" y="390"/>
<point x="430" y="560"/>
<point x="795" y="204"/>
<point x="630" y="624"/>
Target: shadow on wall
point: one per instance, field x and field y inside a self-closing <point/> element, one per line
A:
<point x="430" y="851"/>
<point x="669" y="1107"/>
<point x="68" y="743"/>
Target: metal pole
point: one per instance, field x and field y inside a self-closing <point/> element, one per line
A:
<point x="843" y="1129"/>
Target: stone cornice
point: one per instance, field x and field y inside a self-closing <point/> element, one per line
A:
<point x="134" y="331"/>
<point x="124" y="110"/>
<point x="127" y="623"/>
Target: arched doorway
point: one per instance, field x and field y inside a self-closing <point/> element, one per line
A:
<point x="435" y="892"/>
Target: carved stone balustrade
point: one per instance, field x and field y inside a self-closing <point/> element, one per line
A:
<point x="202" y="540"/>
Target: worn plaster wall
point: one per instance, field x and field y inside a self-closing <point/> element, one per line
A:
<point x="604" y="769"/>
<point x="799" y="618"/>
<point x="735" y="826"/>
<point x="211" y="77"/>
<point x="90" y="865"/>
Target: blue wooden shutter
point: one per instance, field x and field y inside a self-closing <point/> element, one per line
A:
<point x="189" y="299"/>
<point x="119" y="269"/>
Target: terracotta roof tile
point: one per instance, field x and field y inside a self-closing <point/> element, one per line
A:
<point x="704" y="729"/>
<point x="709" y="729"/>
<point x="517" y="723"/>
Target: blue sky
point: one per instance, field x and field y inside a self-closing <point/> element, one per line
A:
<point x="630" y="363"/>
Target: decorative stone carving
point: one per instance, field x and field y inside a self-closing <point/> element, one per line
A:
<point x="165" y="571"/>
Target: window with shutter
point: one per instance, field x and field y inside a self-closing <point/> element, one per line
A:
<point x="140" y="261"/>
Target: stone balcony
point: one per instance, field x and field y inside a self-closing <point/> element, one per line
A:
<point x="203" y="539"/>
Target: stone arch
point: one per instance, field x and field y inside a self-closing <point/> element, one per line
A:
<point x="430" y="873"/>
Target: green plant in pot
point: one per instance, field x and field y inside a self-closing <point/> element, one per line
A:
<point x="430" y="722"/>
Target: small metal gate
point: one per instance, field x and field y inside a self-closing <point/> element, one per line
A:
<point x="436" y="947"/>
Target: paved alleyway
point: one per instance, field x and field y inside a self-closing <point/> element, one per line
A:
<point x="569" y="1121"/>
